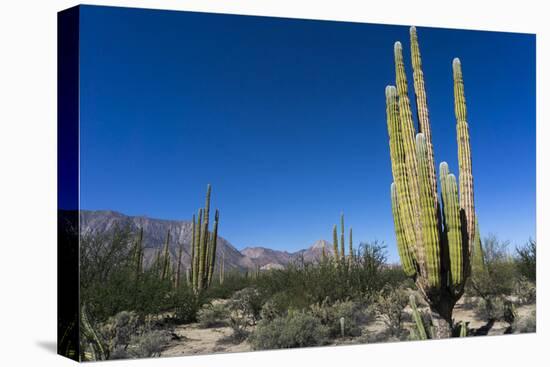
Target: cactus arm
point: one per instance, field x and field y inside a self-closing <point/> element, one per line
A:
<point x="466" y="181"/>
<point x="335" y="242"/>
<point x="342" y="243"/>
<point x="422" y="109"/>
<point x="166" y="257"/>
<point x="214" y="239"/>
<point x="430" y="232"/>
<point x="454" y="233"/>
<point x="198" y="229"/>
<point x="478" y="262"/>
<point x="351" y="244"/>
<point x="402" y="248"/>
<point x="408" y="139"/>
<point x="397" y="154"/>
<point x="417" y="319"/>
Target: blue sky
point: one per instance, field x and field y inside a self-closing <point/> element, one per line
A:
<point x="286" y="119"/>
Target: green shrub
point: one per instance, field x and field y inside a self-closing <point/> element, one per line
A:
<point x="499" y="273"/>
<point x="274" y="307"/>
<point x="246" y="304"/>
<point x="525" y="291"/>
<point x="527" y="260"/>
<point x="186" y="304"/>
<point x="496" y="308"/>
<point x="330" y="315"/>
<point x="297" y="329"/>
<point x="390" y="305"/>
<point x="213" y="315"/>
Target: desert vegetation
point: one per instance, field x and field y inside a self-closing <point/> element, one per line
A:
<point x="451" y="281"/>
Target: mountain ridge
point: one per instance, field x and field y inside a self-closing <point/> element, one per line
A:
<point x="156" y="229"/>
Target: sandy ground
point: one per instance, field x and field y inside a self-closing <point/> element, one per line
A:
<point x="194" y="340"/>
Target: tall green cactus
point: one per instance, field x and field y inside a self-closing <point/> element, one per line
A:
<point x="204" y="243"/>
<point x="335" y="243"/>
<point x="166" y="258"/>
<point x="342" y="243"/>
<point x="350" y="244"/>
<point x="434" y="238"/>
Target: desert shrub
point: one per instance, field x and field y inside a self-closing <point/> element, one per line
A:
<point x="297" y="329"/>
<point x="330" y="315"/>
<point x="213" y="315"/>
<point x="125" y="335"/>
<point x="390" y="305"/>
<point x="525" y="324"/>
<point x="233" y="281"/>
<point x="525" y="291"/>
<point x="108" y="282"/>
<point x="244" y="310"/>
<point x="248" y="303"/>
<point x="148" y="344"/>
<point x="496" y="308"/>
<point x="309" y="283"/>
<point x="186" y="304"/>
<point x="526" y="260"/>
<point x="498" y="275"/>
<point x="274" y="307"/>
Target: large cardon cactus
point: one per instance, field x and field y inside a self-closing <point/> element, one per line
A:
<point x="434" y="236"/>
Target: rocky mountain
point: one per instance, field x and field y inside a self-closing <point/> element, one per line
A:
<point x="154" y="238"/>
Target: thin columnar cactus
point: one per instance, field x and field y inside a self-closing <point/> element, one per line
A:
<point x="222" y="266"/>
<point x="138" y="254"/>
<point x="212" y="258"/>
<point x="342" y="242"/>
<point x="478" y="262"/>
<point x="434" y="238"/>
<point x="421" y="330"/>
<point x="203" y="246"/>
<point x="335" y="243"/>
<point x="178" y="269"/>
<point x="350" y="244"/>
<point x="166" y="258"/>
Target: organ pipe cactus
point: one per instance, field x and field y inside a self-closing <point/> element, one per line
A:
<point x="166" y="258"/>
<point x="350" y="244"/>
<point x="204" y="243"/>
<point x="342" y="243"/>
<point x="434" y="237"/>
<point x="335" y="243"/>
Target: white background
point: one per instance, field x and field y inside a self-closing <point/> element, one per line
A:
<point x="28" y="181"/>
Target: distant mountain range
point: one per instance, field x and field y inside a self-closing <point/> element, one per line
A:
<point x="154" y="237"/>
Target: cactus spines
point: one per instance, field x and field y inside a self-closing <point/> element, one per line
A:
<point x="335" y="242"/>
<point x="466" y="180"/>
<point x="434" y="240"/>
